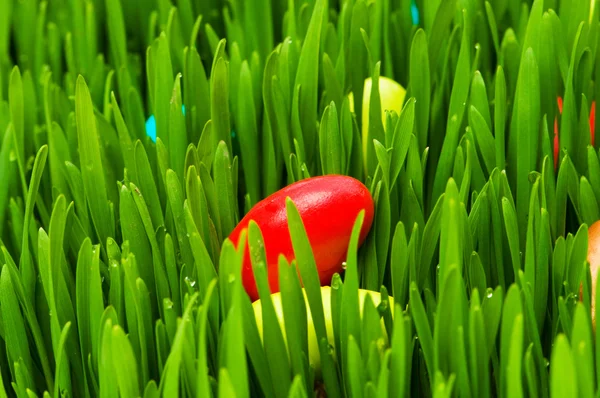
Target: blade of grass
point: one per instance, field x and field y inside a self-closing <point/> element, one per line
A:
<point x="91" y="164"/>
<point x="170" y="379"/>
<point x="581" y="344"/>
<point x="458" y="99"/>
<point x="525" y="133"/>
<point x="562" y="370"/>
<point x="272" y="335"/>
<point x="310" y="279"/>
<point x="248" y="135"/>
<point x="307" y="77"/>
<point x="420" y="77"/>
<point x="14" y="328"/>
<point x="124" y="363"/>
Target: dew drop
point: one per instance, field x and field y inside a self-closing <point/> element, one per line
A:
<point x="344" y="265"/>
<point x="190" y="282"/>
<point x="336" y="281"/>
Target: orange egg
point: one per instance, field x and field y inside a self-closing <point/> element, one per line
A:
<point x="593" y="257"/>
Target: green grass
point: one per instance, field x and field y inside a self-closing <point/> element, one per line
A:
<point x="116" y="275"/>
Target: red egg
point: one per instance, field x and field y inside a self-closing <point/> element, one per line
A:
<point x="592" y="128"/>
<point x="328" y="206"/>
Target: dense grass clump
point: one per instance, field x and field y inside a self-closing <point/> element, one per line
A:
<point x="116" y="274"/>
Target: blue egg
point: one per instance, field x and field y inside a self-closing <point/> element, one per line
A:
<point x="151" y="128"/>
<point x="151" y="125"/>
<point x="414" y="12"/>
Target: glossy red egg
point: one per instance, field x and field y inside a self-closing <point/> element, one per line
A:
<point x="328" y="206"/>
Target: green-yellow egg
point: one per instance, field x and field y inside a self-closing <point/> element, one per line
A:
<point x="314" y="356"/>
<point x="392" y="96"/>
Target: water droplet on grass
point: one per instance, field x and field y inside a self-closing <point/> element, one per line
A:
<point x="190" y="282"/>
<point x="336" y="281"/>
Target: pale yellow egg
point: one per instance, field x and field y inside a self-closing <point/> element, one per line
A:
<point x="314" y="356"/>
<point x="392" y="96"/>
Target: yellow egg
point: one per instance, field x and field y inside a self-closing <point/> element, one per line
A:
<point x="314" y="356"/>
<point x="392" y="97"/>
